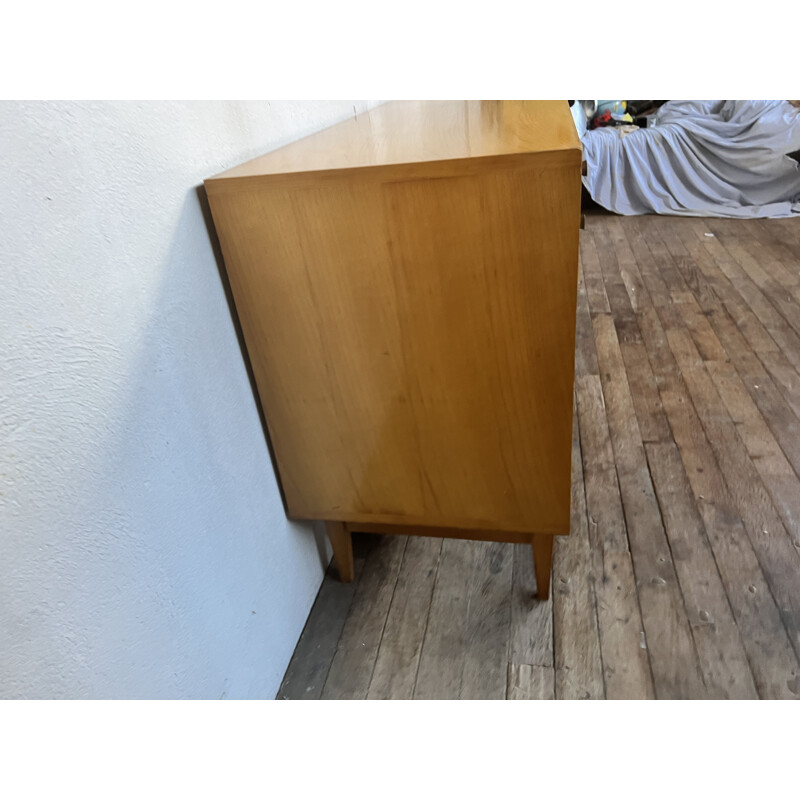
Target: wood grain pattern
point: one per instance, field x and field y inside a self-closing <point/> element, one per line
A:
<point x="342" y="545"/>
<point x="351" y="670"/>
<point x="441" y="663"/>
<point x="412" y="336"/>
<point x="485" y="671"/>
<point x="530" y="682"/>
<point x="675" y="669"/>
<point x="576" y="639"/>
<point x="680" y="353"/>
<point x="531" y="639"/>
<point x="763" y="635"/>
<point x="395" y="672"/>
<point x="626" y="668"/>
<point x="722" y="659"/>
<point x="422" y="132"/>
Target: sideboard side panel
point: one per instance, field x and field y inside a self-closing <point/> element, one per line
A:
<point x="413" y="342"/>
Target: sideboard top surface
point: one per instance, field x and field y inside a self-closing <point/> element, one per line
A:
<point x="410" y="132"/>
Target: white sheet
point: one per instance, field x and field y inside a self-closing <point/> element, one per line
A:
<point x="712" y="158"/>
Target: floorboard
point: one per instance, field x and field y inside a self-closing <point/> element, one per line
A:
<point x="397" y="661"/>
<point x="576" y="637"/>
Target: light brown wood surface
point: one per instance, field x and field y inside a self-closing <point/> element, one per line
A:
<point x="418" y="132"/>
<point x="715" y="397"/>
<point x="542" y="564"/>
<point x="342" y="545"/>
<point x="412" y="333"/>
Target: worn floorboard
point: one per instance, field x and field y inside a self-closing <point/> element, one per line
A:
<point x="397" y="662"/>
<point x="576" y="638"/>
<point x="681" y="576"/>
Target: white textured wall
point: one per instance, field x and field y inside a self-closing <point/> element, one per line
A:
<point x="144" y="551"/>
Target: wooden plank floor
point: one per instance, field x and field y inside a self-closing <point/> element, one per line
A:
<point x="681" y="577"/>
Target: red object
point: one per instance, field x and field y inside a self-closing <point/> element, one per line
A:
<point x="601" y="120"/>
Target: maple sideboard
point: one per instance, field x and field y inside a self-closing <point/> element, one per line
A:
<point x="406" y="287"/>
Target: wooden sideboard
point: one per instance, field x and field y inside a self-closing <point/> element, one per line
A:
<point x="406" y="286"/>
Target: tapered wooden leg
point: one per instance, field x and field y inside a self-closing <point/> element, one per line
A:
<point x="342" y="542"/>
<point x="542" y="563"/>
